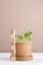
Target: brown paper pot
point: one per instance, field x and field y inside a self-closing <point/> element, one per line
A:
<point x="23" y="51"/>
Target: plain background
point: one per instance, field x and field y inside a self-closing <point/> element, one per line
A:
<point x="23" y="15"/>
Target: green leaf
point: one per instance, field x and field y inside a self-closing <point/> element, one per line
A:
<point x="19" y="37"/>
<point x="25" y="35"/>
<point x="29" y="33"/>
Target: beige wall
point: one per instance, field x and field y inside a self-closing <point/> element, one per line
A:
<point x="23" y="15"/>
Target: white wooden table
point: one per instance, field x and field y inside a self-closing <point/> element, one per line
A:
<point x="37" y="59"/>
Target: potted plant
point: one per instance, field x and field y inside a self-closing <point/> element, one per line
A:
<point x="24" y="46"/>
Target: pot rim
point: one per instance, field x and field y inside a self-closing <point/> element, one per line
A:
<point x="24" y="42"/>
